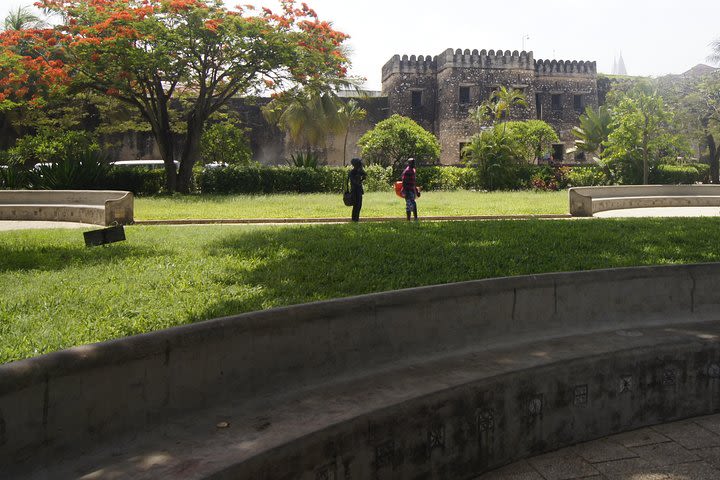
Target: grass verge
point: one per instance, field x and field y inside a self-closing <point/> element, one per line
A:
<point x="56" y="293"/>
<point x="323" y="205"/>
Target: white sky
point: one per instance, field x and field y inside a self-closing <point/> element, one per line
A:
<point x="656" y="37"/>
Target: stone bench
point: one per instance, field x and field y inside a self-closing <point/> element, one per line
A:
<point x="436" y="382"/>
<point x="98" y="207"/>
<point x="586" y="201"/>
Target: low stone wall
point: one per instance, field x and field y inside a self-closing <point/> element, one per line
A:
<point x="98" y="207"/>
<point x="89" y="394"/>
<point x="585" y="201"/>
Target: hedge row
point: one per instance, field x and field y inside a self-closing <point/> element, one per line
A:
<point x="680" y="174"/>
<point x="266" y="180"/>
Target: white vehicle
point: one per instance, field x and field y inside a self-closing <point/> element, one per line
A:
<point x="149" y="164"/>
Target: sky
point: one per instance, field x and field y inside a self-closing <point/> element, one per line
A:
<point x="655" y="37"/>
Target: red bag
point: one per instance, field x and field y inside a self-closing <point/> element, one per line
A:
<point x="398" y="190"/>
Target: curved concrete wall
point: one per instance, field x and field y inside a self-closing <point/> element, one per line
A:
<point x="584" y="201"/>
<point x="99" y="207"/>
<point x="88" y="393"/>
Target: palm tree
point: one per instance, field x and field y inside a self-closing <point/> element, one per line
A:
<point x="500" y="105"/>
<point x="307" y="115"/>
<point x="348" y="114"/>
<point x="594" y="129"/>
<point x="22" y="19"/>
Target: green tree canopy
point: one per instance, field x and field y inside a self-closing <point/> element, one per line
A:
<point x="534" y="138"/>
<point x="147" y="53"/>
<point x="640" y="136"/>
<point x="395" y="139"/>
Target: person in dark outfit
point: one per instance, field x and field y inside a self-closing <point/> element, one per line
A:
<point x="356" y="177"/>
<point x="409" y="189"/>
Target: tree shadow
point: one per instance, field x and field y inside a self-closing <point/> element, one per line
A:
<point x="293" y="265"/>
<point x="55" y="257"/>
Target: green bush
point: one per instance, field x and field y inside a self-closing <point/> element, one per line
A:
<point x="76" y="170"/>
<point x="140" y="181"/>
<point x="304" y="160"/>
<point x="225" y="143"/>
<point x="13" y="177"/>
<point x="50" y="146"/>
<point x="379" y="178"/>
<point x="587" y="176"/>
<point x="679" y="174"/>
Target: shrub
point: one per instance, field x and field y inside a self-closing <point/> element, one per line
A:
<point x="393" y="140"/>
<point x="679" y="174"/>
<point x="587" y="176"/>
<point x="497" y="157"/>
<point x="13" y="177"/>
<point x="304" y="160"/>
<point x="50" y="146"/>
<point x="225" y="143"/>
<point x="140" y="181"/>
<point x="379" y="179"/>
<point x="77" y="170"/>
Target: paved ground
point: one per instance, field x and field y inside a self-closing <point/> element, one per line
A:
<point x="687" y="450"/>
<point x="662" y="212"/>
<point x="20" y="225"/>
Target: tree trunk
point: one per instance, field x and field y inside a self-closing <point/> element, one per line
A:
<point x="190" y="153"/>
<point x="714" y="159"/>
<point x="165" y="143"/>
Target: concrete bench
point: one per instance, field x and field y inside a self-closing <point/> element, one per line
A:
<point x="98" y="207"/>
<point x="585" y="201"/>
<point x="436" y="382"/>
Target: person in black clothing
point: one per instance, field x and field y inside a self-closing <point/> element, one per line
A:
<point x="356" y="177"/>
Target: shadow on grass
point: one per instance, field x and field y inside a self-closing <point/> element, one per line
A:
<point x="295" y="265"/>
<point x="53" y="257"/>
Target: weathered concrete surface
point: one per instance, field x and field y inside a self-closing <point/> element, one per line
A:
<point x="661" y="212"/>
<point x="97" y="207"/>
<point x="9" y="225"/>
<point x="685" y="450"/>
<point x="586" y="201"/>
<point x="434" y="382"/>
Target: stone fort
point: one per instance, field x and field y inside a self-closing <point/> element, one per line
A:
<point x="439" y="92"/>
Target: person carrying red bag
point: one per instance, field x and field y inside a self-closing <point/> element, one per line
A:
<point x="410" y="190"/>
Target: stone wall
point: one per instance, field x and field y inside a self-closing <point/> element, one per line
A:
<point x="269" y="144"/>
<point x="456" y="378"/>
<point x="458" y="81"/>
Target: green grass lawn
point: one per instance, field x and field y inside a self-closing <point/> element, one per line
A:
<point x="375" y="204"/>
<point x="56" y="293"/>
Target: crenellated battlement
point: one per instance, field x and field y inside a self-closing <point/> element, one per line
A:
<point x="486" y="59"/>
<point x="565" y="68"/>
<point x="492" y="59"/>
<point x="421" y="65"/>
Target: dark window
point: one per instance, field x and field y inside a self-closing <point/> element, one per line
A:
<point x="538" y="106"/>
<point x="464" y="95"/>
<point x="556" y="102"/>
<point x="579" y="156"/>
<point x="558" y="152"/>
<point x="578" y="103"/>
<point x="416" y="98"/>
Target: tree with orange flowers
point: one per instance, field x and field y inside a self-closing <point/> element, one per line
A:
<point x="148" y="53"/>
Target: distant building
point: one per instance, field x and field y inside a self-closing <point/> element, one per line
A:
<point x="619" y="66"/>
<point x="439" y="92"/>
